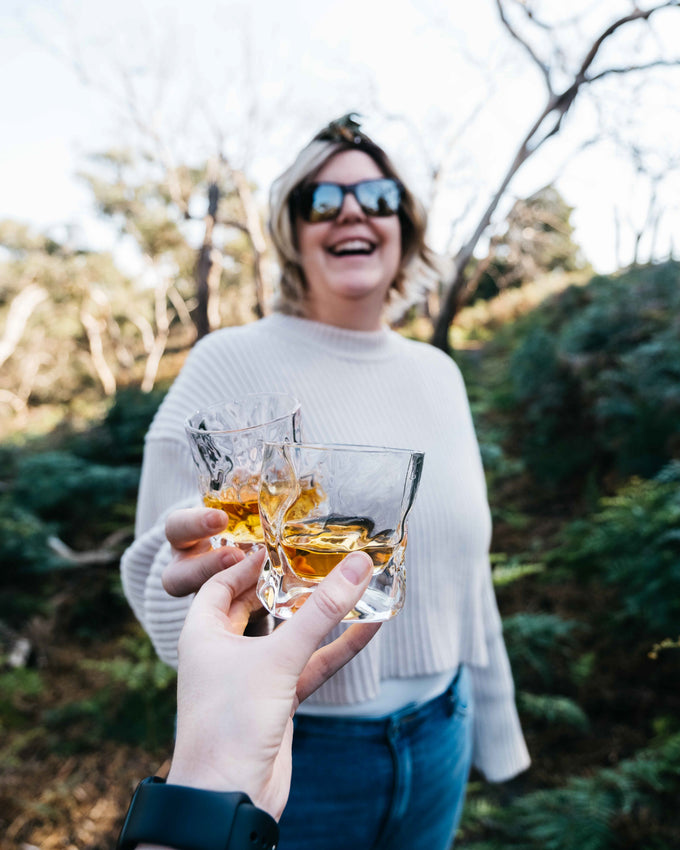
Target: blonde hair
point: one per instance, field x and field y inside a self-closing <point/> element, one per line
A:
<point x="418" y="269"/>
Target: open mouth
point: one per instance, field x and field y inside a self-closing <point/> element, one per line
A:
<point x="352" y="248"/>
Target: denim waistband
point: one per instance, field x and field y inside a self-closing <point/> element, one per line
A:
<point x="367" y="726"/>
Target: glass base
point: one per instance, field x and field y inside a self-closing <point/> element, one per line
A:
<point x="282" y="595"/>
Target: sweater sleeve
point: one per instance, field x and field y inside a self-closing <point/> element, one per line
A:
<point x="499" y="749"/>
<point x="166" y="484"/>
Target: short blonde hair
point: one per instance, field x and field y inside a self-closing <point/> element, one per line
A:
<point x="418" y="268"/>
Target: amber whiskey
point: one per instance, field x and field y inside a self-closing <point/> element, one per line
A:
<point x="313" y="548"/>
<point x="239" y="502"/>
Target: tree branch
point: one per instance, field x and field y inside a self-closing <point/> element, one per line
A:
<point x="543" y="68"/>
<point x="108" y="553"/>
<point x="635" y="15"/>
<point x="659" y="63"/>
<point x="93" y="329"/>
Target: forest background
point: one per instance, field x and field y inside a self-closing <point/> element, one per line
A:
<point x="568" y="335"/>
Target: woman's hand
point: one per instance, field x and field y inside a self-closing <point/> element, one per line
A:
<point x="194" y="560"/>
<point x="236" y="696"/>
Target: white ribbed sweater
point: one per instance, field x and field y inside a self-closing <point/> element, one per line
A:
<point x="355" y="387"/>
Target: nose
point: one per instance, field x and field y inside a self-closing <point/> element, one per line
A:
<point x="350" y="209"/>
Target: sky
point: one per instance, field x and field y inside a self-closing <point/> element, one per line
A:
<point x="438" y="81"/>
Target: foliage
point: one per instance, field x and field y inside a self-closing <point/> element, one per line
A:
<point x="551" y="710"/>
<point x="162" y="208"/>
<point x="508" y="570"/>
<point x="63" y="290"/>
<point x="78" y="499"/>
<point x="537" y="240"/>
<point x="22" y="540"/>
<point x="536" y="643"/>
<point x="632" y="543"/>
<point x="597" y="377"/>
<point x="605" y="811"/>
<point x="19" y="684"/>
<point x="135" y="702"/>
<point x="80" y="491"/>
<point x="119" y="438"/>
<point x="62" y="487"/>
<point x="663" y="646"/>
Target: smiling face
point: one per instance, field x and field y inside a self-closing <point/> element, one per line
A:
<point x="349" y="263"/>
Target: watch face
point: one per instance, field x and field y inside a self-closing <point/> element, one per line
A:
<point x="194" y="819"/>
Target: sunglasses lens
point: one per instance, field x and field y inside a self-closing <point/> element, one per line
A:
<point x="379" y="197"/>
<point x="324" y="202"/>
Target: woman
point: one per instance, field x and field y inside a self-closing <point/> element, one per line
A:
<point x="382" y="751"/>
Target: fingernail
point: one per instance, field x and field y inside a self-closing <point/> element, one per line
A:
<point x="215" y="520"/>
<point x="355" y="567"/>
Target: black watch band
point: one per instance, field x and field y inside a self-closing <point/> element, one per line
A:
<point x="194" y="819"/>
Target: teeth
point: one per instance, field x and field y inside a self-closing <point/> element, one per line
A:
<point x="352" y="245"/>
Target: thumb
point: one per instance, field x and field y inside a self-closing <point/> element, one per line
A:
<point x="325" y="606"/>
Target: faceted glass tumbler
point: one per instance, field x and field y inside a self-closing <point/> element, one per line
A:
<point x="227" y="443"/>
<point x="318" y="503"/>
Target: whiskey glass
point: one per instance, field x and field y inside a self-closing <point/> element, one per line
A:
<point x="227" y="442"/>
<point x="318" y="503"/>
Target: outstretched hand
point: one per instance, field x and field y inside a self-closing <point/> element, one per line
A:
<point x="237" y="695"/>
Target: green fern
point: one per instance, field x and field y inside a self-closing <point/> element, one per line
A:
<point x="632" y="543"/>
<point x="535" y="642"/>
<point x="551" y="710"/>
<point x="605" y="811"/>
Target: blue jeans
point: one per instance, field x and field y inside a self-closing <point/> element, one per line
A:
<point x="394" y="782"/>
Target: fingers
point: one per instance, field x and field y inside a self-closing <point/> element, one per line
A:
<point x="329" y="659"/>
<point x="183" y="576"/>
<point x="185" y="528"/>
<point x="237" y="583"/>
<point x="335" y="597"/>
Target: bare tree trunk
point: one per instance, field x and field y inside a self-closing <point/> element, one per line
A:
<point x="205" y="261"/>
<point x="454" y="294"/>
<point x="19" y="313"/>
<point x="93" y="329"/>
<point x="145" y="330"/>
<point x="161" y="335"/>
<point x="17" y="403"/>
<point x="214" y="279"/>
<point x="180" y="306"/>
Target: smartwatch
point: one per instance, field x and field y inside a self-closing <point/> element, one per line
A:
<point x="194" y="819"/>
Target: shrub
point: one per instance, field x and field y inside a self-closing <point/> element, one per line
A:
<point x="120" y="437"/>
<point x="23" y="539"/>
<point x="63" y="488"/>
<point x="632" y="543"/>
<point x="631" y="805"/>
<point x="597" y="377"/>
<point x="537" y="644"/>
<point x="550" y="710"/>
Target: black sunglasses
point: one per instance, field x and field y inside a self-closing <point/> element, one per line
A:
<point x="323" y="201"/>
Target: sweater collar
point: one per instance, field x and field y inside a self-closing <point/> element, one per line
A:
<point x="341" y="341"/>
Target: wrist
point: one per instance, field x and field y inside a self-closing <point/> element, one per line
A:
<point x="204" y="774"/>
